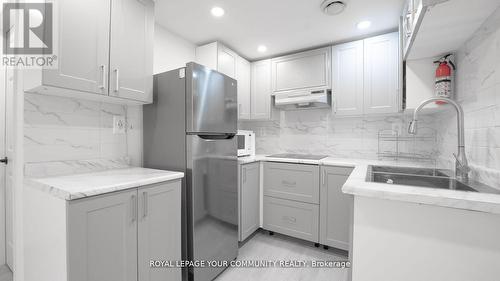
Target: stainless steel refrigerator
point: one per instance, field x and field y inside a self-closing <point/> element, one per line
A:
<point x="191" y="127"/>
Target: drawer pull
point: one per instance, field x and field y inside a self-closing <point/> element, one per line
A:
<point x="289" y="219"/>
<point x="289" y="183"/>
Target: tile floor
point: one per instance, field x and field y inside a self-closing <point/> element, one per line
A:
<point x="278" y="247"/>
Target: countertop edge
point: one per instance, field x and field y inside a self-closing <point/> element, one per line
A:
<point x="105" y="189"/>
<point x="357" y="185"/>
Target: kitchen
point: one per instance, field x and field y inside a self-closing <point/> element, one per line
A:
<point x="224" y="140"/>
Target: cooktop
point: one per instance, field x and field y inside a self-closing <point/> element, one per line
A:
<point x="298" y="156"/>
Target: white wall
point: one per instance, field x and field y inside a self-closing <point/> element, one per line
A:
<point x="478" y="91"/>
<point x="171" y="51"/>
<point x="419" y="81"/>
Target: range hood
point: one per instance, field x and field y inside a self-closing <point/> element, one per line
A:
<point x="303" y="100"/>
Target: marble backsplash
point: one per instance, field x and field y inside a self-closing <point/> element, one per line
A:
<point x="320" y="132"/>
<point x="478" y="91"/>
<point x="68" y="135"/>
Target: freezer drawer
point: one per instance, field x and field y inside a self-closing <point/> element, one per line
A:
<point x="292" y="181"/>
<point x="297" y="219"/>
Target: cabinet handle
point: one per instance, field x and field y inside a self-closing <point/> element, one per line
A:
<point x="324" y="177"/>
<point x="117" y="80"/>
<point x="145" y="204"/>
<point x="103" y="77"/>
<point x="290" y="219"/>
<point x="285" y="182"/>
<point x="244" y="175"/>
<point x="133" y="203"/>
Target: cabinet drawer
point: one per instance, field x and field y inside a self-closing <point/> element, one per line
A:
<point x="292" y="181"/>
<point x="292" y="218"/>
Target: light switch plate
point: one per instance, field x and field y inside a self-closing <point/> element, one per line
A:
<point x="119" y="124"/>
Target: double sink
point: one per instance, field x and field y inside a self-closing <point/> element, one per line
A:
<point x="424" y="177"/>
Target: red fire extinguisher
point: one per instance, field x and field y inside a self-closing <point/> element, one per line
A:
<point x="444" y="78"/>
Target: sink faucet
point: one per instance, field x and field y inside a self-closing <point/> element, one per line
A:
<point x="461" y="165"/>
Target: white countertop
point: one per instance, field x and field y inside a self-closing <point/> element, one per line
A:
<point x="75" y="186"/>
<point x="357" y="185"/>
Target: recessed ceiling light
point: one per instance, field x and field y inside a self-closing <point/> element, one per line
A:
<point x="217" y="12"/>
<point x="262" y="48"/>
<point x="364" y="24"/>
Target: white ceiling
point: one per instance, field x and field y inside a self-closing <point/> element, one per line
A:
<point x="282" y="25"/>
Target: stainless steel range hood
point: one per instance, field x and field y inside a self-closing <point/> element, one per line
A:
<point x="303" y="100"/>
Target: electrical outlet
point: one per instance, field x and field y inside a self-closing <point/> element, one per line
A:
<point x="119" y="124"/>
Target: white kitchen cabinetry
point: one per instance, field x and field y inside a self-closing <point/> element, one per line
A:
<point x="131" y="55"/>
<point x="347" y="85"/>
<point x="260" y="96"/>
<point x="219" y="57"/>
<point x="243" y="73"/>
<point x="249" y="190"/>
<point x="83" y="47"/>
<point x="111" y="236"/>
<point x="335" y="208"/>
<point x="159" y="230"/>
<point x="366" y="76"/>
<point x="106" y="57"/>
<point x="381" y="87"/>
<point x="291" y="200"/>
<point x="102" y="238"/>
<point x="305" y="71"/>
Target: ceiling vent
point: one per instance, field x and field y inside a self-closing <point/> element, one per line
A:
<point x="333" y="7"/>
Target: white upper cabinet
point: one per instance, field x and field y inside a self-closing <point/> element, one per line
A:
<point x="305" y="71"/>
<point x="105" y="52"/>
<point x="261" y="90"/>
<point x="219" y="57"/>
<point x="243" y="69"/>
<point x="226" y="62"/>
<point x="366" y="76"/>
<point x="83" y="47"/>
<point x="381" y="76"/>
<point x="132" y="40"/>
<point x="347" y="85"/>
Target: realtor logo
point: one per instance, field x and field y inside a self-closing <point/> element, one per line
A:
<point x="33" y="23"/>
<point x="28" y="35"/>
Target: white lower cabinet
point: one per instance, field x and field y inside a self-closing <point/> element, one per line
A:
<point x="110" y="237"/>
<point x="307" y="202"/>
<point x="102" y="238"/>
<point x="159" y="230"/>
<point x="335" y="208"/>
<point x="291" y="198"/>
<point x="249" y="190"/>
<point x="292" y="218"/>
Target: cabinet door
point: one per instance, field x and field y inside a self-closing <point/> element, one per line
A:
<point x="83" y="47"/>
<point x="131" y="73"/>
<point x="335" y="208"/>
<point x="381" y="74"/>
<point x="249" y="199"/>
<point x="243" y="78"/>
<point x="347" y="70"/>
<point x="261" y="90"/>
<point x="102" y="238"/>
<point x="159" y="233"/>
<point x="226" y="61"/>
<point x="309" y="70"/>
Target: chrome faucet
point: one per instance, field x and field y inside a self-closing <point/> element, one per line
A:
<point x="461" y="165"/>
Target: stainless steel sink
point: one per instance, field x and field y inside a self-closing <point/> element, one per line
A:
<point x="424" y="177"/>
